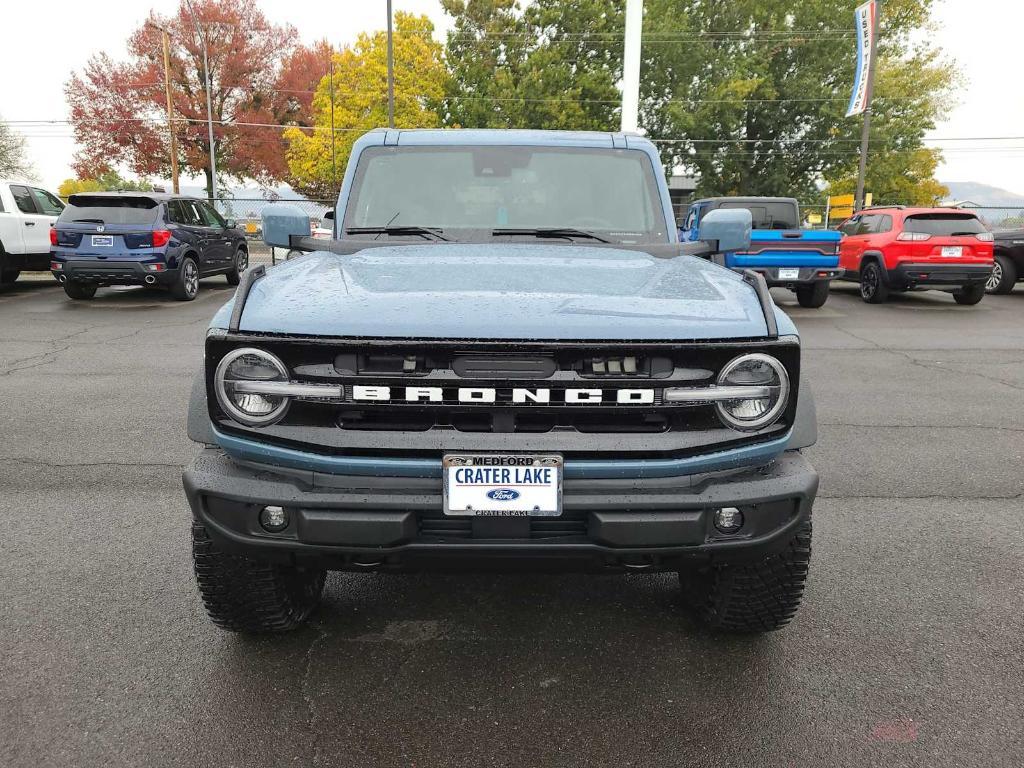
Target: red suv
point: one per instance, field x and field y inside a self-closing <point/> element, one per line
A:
<point x="897" y="249"/>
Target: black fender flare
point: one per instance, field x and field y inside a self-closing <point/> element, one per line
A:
<point x="876" y="256"/>
<point x="805" y="422"/>
<point x="200" y="430"/>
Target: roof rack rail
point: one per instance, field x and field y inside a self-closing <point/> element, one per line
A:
<point x="874" y="207"/>
<point x="764" y="297"/>
<point x="242" y="294"/>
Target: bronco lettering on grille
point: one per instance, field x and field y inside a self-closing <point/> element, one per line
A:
<point x="515" y="396"/>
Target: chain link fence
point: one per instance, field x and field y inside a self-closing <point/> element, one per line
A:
<point x="248" y="212"/>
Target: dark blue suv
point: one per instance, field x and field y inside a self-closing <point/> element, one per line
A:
<point x="122" y="238"/>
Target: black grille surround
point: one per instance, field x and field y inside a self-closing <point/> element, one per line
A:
<point x="401" y="429"/>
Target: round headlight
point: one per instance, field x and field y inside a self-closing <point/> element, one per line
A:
<point x="765" y="373"/>
<point x="241" y="366"/>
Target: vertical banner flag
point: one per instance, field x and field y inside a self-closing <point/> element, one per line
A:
<point x="865" y="20"/>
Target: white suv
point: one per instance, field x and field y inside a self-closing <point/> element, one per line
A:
<point x="26" y="215"/>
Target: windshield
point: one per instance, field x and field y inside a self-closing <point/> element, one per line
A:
<point x="777" y="215"/>
<point x="109" y="210"/>
<point x="468" y="192"/>
<point x="944" y="224"/>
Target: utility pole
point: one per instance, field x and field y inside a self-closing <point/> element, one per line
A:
<point x="869" y="92"/>
<point x="170" y="108"/>
<point x="209" y="101"/>
<point x="391" y="73"/>
<point x="334" y="157"/>
<point x="631" y="66"/>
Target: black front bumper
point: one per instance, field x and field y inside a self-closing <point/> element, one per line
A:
<point x="931" y="274"/>
<point x="111" y="272"/>
<point x="396" y="523"/>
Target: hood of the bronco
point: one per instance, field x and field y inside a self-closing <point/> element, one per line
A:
<point x="502" y="291"/>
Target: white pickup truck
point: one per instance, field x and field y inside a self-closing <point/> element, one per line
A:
<point x="26" y="215"/>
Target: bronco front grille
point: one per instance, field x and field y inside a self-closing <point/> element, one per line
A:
<point x="584" y="399"/>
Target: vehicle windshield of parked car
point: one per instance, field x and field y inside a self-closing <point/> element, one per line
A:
<point x="765" y="215"/>
<point x="944" y="224"/>
<point x="473" y="192"/>
<point x="86" y="209"/>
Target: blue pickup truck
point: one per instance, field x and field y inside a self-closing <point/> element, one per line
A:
<point x="803" y="260"/>
<point x="504" y="358"/>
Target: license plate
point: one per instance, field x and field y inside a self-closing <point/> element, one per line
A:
<point x="789" y="274"/>
<point x="952" y="251"/>
<point x="102" y="241"/>
<point x="490" y="485"/>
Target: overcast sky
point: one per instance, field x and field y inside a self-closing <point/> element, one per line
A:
<point x="984" y="38"/>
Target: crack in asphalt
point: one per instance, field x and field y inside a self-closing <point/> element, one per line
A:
<point x="76" y="465"/>
<point x="914" y="361"/>
<point x="305" y="687"/>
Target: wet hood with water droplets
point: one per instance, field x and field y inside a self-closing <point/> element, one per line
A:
<point x="502" y="291"/>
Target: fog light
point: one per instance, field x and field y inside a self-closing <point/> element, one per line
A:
<point x="727" y="519"/>
<point x="155" y="267"/>
<point x="274" y="519"/>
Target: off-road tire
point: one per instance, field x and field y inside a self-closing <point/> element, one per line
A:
<point x="79" y="291"/>
<point x="812" y="296"/>
<point x="240" y="263"/>
<point x="1004" y="275"/>
<point x="873" y="289"/>
<point x="751" y="597"/>
<point x="186" y="287"/>
<point x="245" y="595"/>
<point x="9" y="276"/>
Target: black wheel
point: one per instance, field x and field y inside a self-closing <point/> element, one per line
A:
<point x="241" y="264"/>
<point x="244" y="595"/>
<point x="186" y="287"/>
<point x="1004" y="275"/>
<point x="79" y="291"/>
<point x="8" y="276"/>
<point x="756" y="597"/>
<point x="872" y="285"/>
<point x="969" y="294"/>
<point x="814" y="295"/>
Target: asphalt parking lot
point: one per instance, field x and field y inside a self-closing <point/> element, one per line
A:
<point x="907" y="651"/>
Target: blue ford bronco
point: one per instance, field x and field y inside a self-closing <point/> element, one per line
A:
<point x="504" y="358"/>
<point x="803" y="260"/>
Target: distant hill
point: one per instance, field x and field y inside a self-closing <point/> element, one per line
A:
<point x="995" y="205"/>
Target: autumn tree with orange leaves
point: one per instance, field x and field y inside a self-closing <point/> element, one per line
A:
<point x="261" y="78"/>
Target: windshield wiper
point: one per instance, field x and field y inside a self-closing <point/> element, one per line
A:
<point x="558" y="232"/>
<point x="88" y="221"/>
<point x="404" y="229"/>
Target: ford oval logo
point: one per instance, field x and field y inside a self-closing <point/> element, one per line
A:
<point x="503" y="494"/>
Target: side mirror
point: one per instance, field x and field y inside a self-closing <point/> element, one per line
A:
<point x="728" y="227"/>
<point x="231" y="224"/>
<point x="281" y="222"/>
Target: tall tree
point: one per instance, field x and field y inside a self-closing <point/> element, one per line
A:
<point x="360" y="101"/>
<point x="14" y="160"/>
<point x="751" y="94"/>
<point x="118" y="108"/>
<point x="111" y="181"/>
<point x="553" y="65"/>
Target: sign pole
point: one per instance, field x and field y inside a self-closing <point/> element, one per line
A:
<point x="869" y="92"/>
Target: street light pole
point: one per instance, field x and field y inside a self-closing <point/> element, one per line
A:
<point x="391" y="73"/>
<point x="209" y="101"/>
<point x="631" y="66"/>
